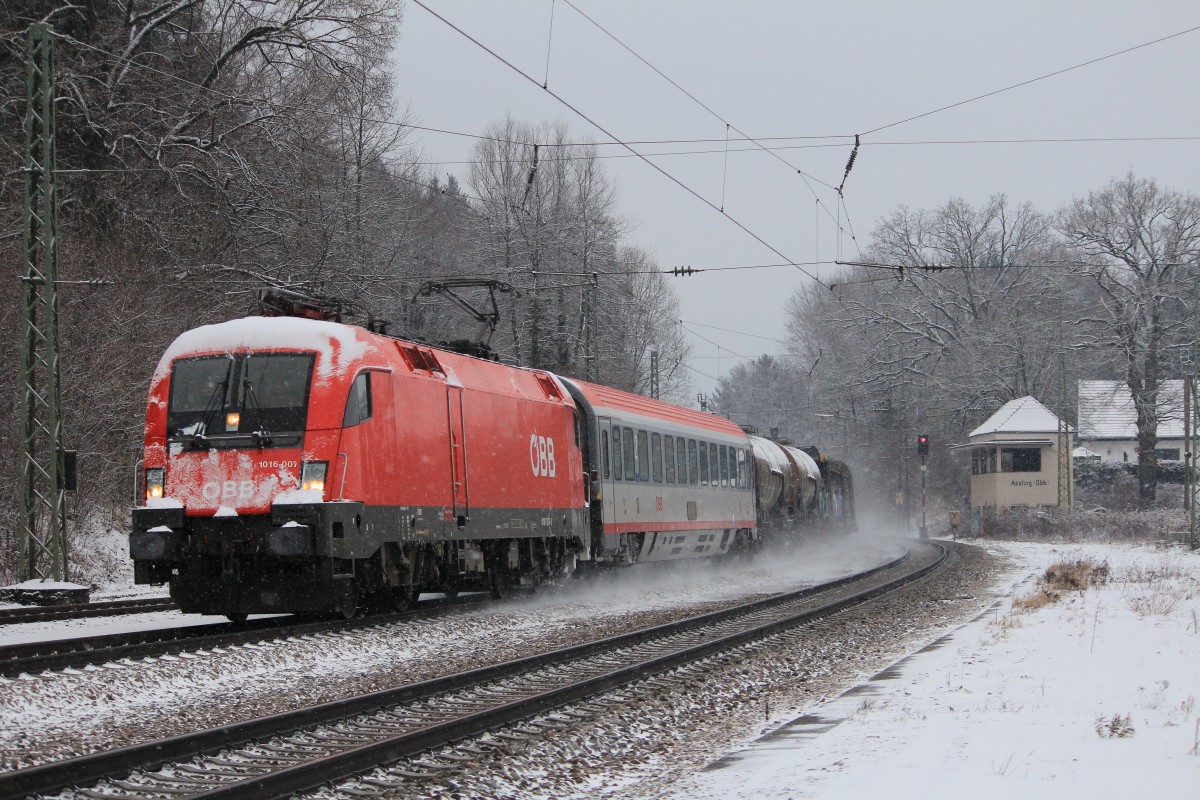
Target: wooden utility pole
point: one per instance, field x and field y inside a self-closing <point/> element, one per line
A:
<point x="1065" y="479"/>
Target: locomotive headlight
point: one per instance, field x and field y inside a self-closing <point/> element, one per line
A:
<point x="312" y="475"/>
<point x="232" y="420"/>
<point x="154" y="482"/>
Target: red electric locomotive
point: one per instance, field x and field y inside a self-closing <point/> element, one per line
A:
<point x="303" y="465"/>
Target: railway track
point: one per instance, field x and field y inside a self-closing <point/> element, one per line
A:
<point x="108" y="608"/>
<point x="35" y="657"/>
<point x="293" y="752"/>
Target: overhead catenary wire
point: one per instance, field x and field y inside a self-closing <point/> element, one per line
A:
<point x="367" y="167"/>
<point x="757" y="140"/>
<point x="730" y="330"/>
<point x="612" y="136"/>
<point x="1020" y="84"/>
<point x="759" y="147"/>
<point x="394" y="174"/>
<point x="804" y="176"/>
<point x="549" y="41"/>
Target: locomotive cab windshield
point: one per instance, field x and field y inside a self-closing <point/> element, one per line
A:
<point x="236" y="400"/>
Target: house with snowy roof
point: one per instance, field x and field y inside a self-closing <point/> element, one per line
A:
<point x="1014" y="457"/>
<point x="1108" y="420"/>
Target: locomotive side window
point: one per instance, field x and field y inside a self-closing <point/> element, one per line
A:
<point x="630" y="465"/>
<point x="693" y="463"/>
<point x="723" y="461"/>
<point x="643" y="455"/>
<point x="704" y="463"/>
<point x="669" y="457"/>
<point x="604" y="453"/>
<point x="656" y="459"/>
<point x="358" y="405"/>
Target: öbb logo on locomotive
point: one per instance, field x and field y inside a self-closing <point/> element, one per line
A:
<point x="406" y="457"/>
<point x="541" y="456"/>
<point x="228" y="490"/>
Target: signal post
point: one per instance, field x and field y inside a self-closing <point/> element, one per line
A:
<point x="923" y="452"/>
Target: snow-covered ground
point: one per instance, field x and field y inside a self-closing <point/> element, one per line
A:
<point x="1092" y="696"/>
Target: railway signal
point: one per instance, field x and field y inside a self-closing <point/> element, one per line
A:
<point x="923" y="452"/>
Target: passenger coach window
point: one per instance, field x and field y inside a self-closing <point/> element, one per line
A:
<point x="723" y="461"/>
<point x="604" y="453"/>
<point x="693" y="463"/>
<point x="669" y="457"/>
<point x="712" y="463"/>
<point x="627" y="446"/>
<point x="656" y="465"/>
<point x="681" y="458"/>
<point x="643" y="463"/>
<point x="358" y="405"/>
<point x="743" y="481"/>
<point x="616" y="453"/>
<point x="704" y="463"/>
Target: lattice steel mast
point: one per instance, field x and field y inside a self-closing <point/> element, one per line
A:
<point x="42" y="496"/>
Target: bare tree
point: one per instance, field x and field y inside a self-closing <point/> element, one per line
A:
<point x="967" y="309"/>
<point x="1139" y="244"/>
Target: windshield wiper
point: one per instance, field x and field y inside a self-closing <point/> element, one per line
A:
<point x="216" y="402"/>
<point x="260" y="437"/>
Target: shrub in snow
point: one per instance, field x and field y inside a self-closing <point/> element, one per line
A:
<point x="1117" y="727"/>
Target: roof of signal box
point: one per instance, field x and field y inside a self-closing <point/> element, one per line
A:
<point x="1023" y="415"/>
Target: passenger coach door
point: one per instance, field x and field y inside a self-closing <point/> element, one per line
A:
<point x="458" y="454"/>
<point x="607" y="473"/>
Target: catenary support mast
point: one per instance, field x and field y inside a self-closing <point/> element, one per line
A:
<point x="42" y="532"/>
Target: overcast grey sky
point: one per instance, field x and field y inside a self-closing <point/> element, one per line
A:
<point x="807" y="69"/>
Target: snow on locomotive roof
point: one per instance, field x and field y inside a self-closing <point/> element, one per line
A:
<point x="605" y="397"/>
<point x="338" y="345"/>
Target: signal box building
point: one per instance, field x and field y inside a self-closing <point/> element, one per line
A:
<point x="1014" y="458"/>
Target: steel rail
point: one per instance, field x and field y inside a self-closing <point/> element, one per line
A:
<point x="313" y="774"/>
<point x="87" y="770"/>
<point x="104" y="608"/>
<point x="35" y="657"/>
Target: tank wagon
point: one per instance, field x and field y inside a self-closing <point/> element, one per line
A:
<point x="789" y="484"/>
<point x="304" y="465"/>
